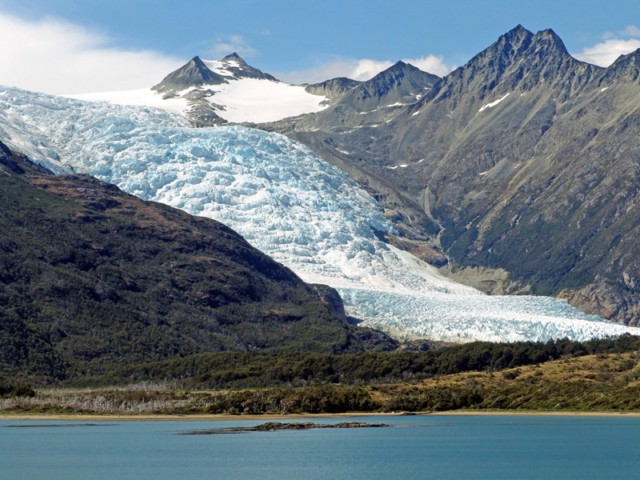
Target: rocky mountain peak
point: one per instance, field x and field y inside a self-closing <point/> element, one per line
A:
<point x="333" y="88"/>
<point x="235" y="57"/>
<point x="233" y="66"/>
<point x="193" y="73"/>
<point x="625" y="69"/>
<point x="515" y="39"/>
<point x="550" y="41"/>
<point x="519" y="60"/>
<point x="412" y="80"/>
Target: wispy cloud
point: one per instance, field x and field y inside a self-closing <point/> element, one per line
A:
<point x="613" y="45"/>
<point x="54" y="56"/>
<point x="362" y="69"/>
<point x="230" y="44"/>
<point x="432" y="64"/>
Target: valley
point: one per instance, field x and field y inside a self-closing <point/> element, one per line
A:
<point x="378" y="223"/>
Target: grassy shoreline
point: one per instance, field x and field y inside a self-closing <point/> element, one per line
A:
<point x="223" y="417"/>
<point x="602" y="384"/>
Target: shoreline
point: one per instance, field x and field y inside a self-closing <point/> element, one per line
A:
<point x="297" y="416"/>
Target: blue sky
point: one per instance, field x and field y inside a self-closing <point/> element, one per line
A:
<point x="71" y="46"/>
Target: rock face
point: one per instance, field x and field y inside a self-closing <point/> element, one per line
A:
<point x="523" y="160"/>
<point x="92" y="278"/>
<point x="194" y="74"/>
<point x="332" y="300"/>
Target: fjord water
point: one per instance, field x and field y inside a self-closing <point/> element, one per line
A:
<point x="442" y="447"/>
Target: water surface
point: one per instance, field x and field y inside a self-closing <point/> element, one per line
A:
<point x="442" y="447"/>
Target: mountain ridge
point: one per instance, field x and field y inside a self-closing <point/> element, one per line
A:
<point x="481" y="156"/>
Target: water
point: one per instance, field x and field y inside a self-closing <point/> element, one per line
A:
<point x="447" y="447"/>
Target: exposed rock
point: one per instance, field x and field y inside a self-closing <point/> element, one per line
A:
<point x="277" y="426"/>
<point x="331" y="299"/>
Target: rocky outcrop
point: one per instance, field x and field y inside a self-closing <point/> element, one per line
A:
<point x="331" y="299"/>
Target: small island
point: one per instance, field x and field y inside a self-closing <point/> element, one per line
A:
<point x="277" y="426"/>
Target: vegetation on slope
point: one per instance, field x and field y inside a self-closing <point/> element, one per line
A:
<point x="92" y="278"/>
<point x="268" y="368"/>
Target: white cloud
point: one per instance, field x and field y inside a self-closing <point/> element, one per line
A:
<point x="615" y="44"/>
<point x="632" y="31"/>
<point x="365" y="69"/>
<point x="362" y="69"/>
<point x="54" y="56"/>
<point x="432" y="64"/>
<point x="233" y="43"/>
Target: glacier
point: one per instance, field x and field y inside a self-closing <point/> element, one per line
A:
<point x="289" y="203"/>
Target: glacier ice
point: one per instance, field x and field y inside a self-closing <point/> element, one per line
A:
<point x="287" y="202"/>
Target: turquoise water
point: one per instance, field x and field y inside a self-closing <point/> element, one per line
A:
<point x="474" y="447"/>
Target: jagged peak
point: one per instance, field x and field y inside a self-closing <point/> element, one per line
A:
<point x="233" y="66"/>
<point x="626" y="67"/>
<point x="196" y="61"/>
<point x="550" y="38"/>
<point x="518" y="59"/>
<point x="400" y="64"/>
<point x="401" y="67"/>
<point x="234" y="57"/>
<point x="194" y="73"/>
<point x="632" y="58"/>
<point x="517" y="32"/>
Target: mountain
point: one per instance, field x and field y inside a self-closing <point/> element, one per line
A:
<point x="92" y="278"/>
<point x="289" y="203"/>
<point x="212" y="92"/>
<point x="368" y="103"/>
<point x="353" y="127"/>
<point x="194" y="74"/>
<point x="521" y="168"/>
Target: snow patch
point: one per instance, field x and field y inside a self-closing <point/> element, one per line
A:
<point x="259" y="101"/>
<point x="493" y="104"/>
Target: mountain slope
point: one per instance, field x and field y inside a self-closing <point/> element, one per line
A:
<point x="92" y="278"/>
<point x="300" y="210"/>
<point x="523" y="165"/>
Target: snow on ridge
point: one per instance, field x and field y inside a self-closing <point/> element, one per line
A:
<point x="289" y="203"/>
<point x="240" y="100"/>
<point x="220" y="67"/>
<point x="260" y="101"/>
<point x="493" y="104"/>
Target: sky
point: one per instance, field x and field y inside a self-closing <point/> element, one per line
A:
<point x="79" y="46"/>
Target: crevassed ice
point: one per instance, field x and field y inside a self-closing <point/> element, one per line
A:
<point x="287" y="202"/>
